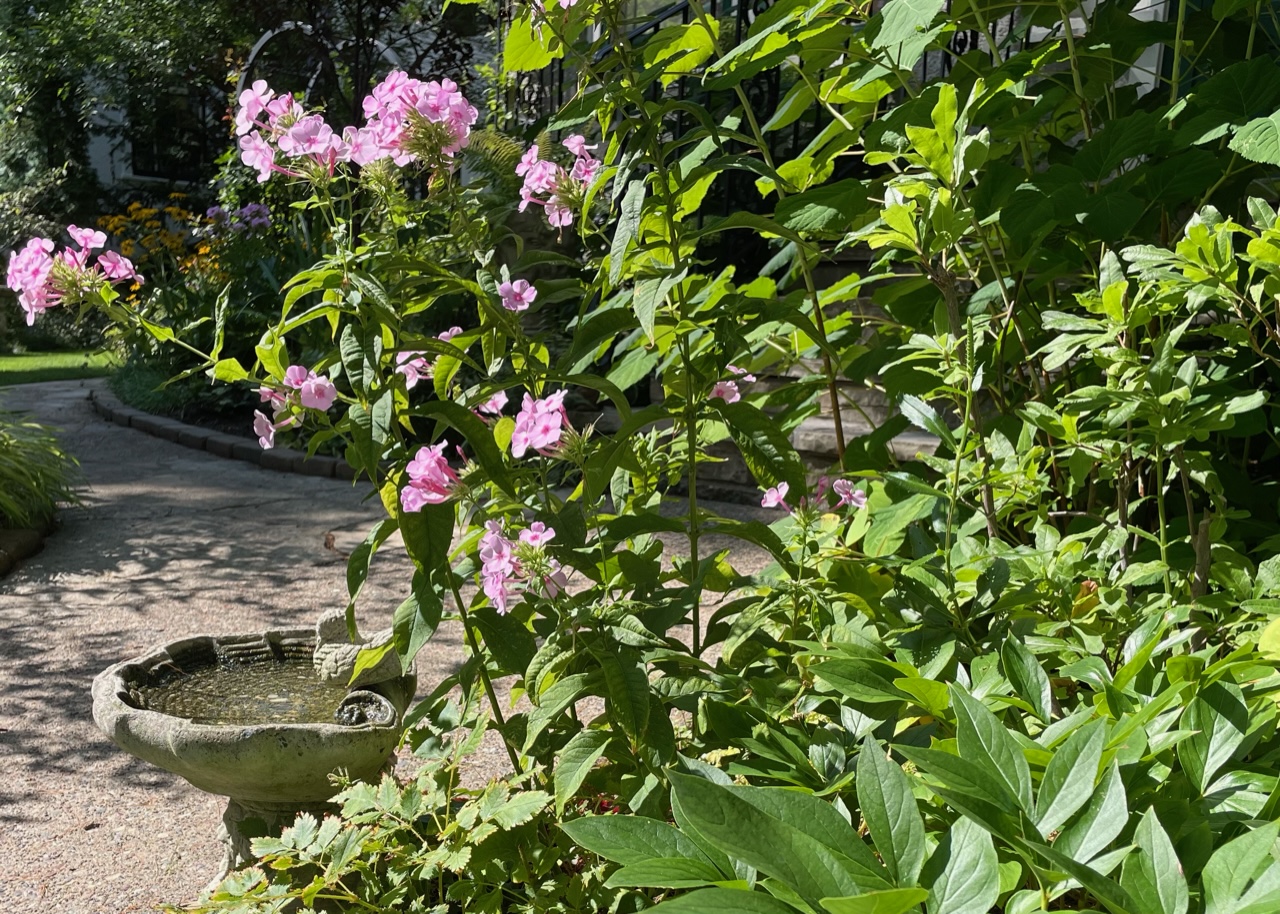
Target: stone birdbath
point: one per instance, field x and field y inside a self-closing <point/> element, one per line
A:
<point x="263" y="719"/>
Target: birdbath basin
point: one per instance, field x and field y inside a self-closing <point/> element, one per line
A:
<point x="247" y="717"/>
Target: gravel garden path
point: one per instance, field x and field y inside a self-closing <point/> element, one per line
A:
<point x="168" y="542"/>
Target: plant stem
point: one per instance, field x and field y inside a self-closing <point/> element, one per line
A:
<point x="484" y="675"/>
<point x="1176" y="76"/>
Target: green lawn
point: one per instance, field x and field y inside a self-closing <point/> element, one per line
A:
<point x="53" y="366"/>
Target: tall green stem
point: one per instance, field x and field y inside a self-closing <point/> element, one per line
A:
<point x="484" y="675"/>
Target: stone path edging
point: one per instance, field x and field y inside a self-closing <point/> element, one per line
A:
<point x="220" y="444"/>
<point x="16" y="545"/>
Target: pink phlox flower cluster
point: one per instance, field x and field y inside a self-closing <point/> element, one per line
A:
<point x="848" y="494"/>
<point x="539" y="425"/>
<point x="501" y="571"/>
<point x="31" y="270"/>
<point x="431" y="480"/>
<point x="776" y="497"/>
<point x="540" y="5"/>
<point x="517" y="295"/>
<point x="388" y="111"/>
<point x="314" y="391"/>
<point x="543" y="177"/>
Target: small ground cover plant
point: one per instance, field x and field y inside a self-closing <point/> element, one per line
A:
<point x="1033" y="671"/>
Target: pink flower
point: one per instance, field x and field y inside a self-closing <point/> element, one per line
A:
<point x="775" y="497"/>
<point x="362" y="145"/>
<point x="253" y="101"/>
<point x="539" y="425"/>
<point x="493" y="406"/>
<point x="558" y="214"/>
<point x="518" y="295"/>
<point x="528" y="160"/>
<point x="297" y="375"/>
<point x="498" y="566"/>
<point x="726" y="391"/>
<point x="414" y="366"/>
<point x="555" y="582"/>
<point x="742" y="373"/>
<point x="87" y="239"/>
<point x="265" y="431"/>
<point x="317" y="392"/>
<point x="576" y="144"/>
<point x="277" y="400"/>
<point x="28" y="275"/>
<point x="257" y="153"/>
<point x="538" y="534"/>
<point x="848" y="494"/>
<point x="117" y="267"/>
<point x="308" y="135"/>
<point x="431" y="480"/>
<point x="449" y="334"/>
<point x="584" y="170"/>
<point x="280" y="109"/>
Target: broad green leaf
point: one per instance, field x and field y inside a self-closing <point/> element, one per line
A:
<point x="1259" y="140"/>
<point x="724" y="901"/>
<point x="576" y="760"/>
<point x="552" y="702"/>
<point x="961" y="776"/>
<point x="627" y="690"/>
<point x="632" y="839"/>
<point x="765" y="448"/>
<point x="983" y="740"/>
<point x="1243" y="873"/>
<point x="886" y="901"/>
<point x="417" y="618"/>
<point x="963" y="875"/>
<point x="1070" y="776"/>
<point x="523" y="806"/>
<point x="1220" y="715"/>
<point x="924" y="416"/>
<point x="889" y="809"/>
<point x="1152" y="875"/>
<point x="904" y="30"/>
<point x="773" y="847"/>
<point x="1027" y="676"/>
<point x="1101" y="821"/>
<point x="665" y="873"/>
<point x="427" y="535"/>
<point x="526" y="48"/>
<point x="857" y="680"/>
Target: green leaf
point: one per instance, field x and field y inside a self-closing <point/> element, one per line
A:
<point x="625" y="232"/>
<point x="427" y="535"/>
<point x="765" y="448"/>
<point x="1220" y="715"/>
<point x="552" y="703"/>
<point x="524" y="49"/>
<point x="1153" y="876"/>
<point x="665" y="873"/>
<point x="775" y="848"/>
<point x="576" y="760"/>
<point x="983" y="740"/>
<point x="1027" y="677"/>
<point x="506" y="639"/>
<point x="961" y="776"/>
<point x="362" y="555"/>
<point x="888" y="901"/>
<point x="857" y="680"/>
<point x="724" y="901"/>
<point x="1070" y="776"/>
<point x="922" y="415"/>
<point x="632" y="839"/>
<point x="1259" y="140"/>
<point x="417" y="618"/>
<point x="1101" y="821"/>
<point x="904" y="30"/>
<point x="889" y="809"/>
<point x="963" y="875"/>
<point x="829" y="209"/>
<point x="626" y="690"/>
<point x="1244" y="873"/>
<point x="523" y="806"/>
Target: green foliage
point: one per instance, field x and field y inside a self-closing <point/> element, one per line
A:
<point x="1019" y="672"/>
<point x="36" y="475"/>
